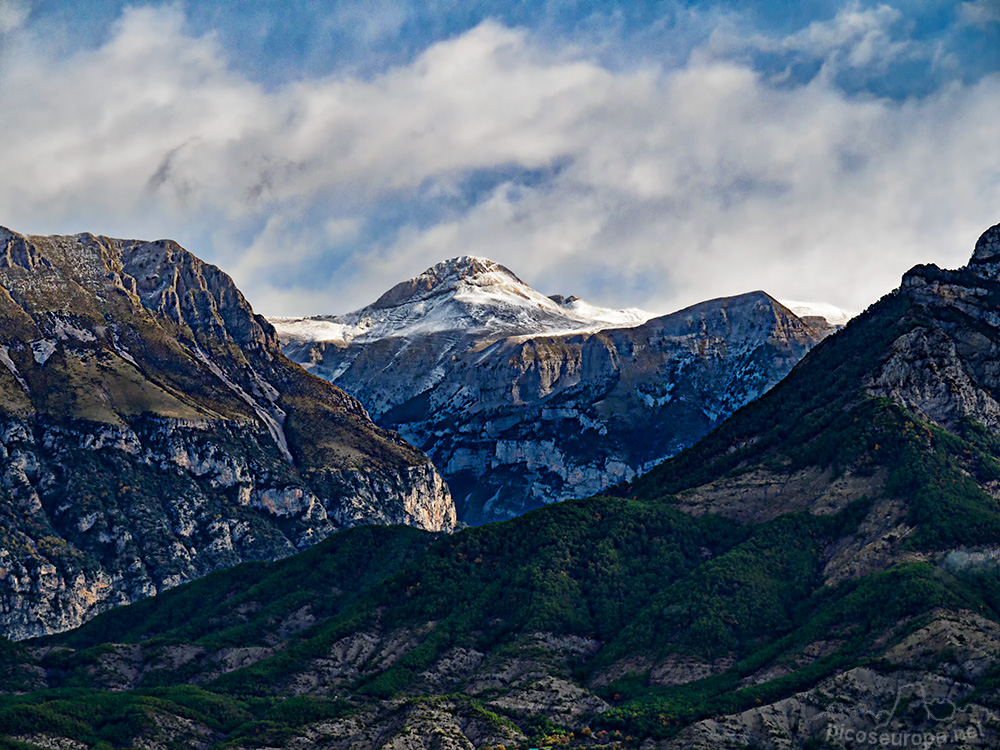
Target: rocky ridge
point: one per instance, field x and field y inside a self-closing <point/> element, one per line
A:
<point x="151" y="431"/>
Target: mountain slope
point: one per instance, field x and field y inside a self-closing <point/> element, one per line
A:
<point x="151" y="431"/>
<point x="524" y="400"/>
<point x="820" y="566"/>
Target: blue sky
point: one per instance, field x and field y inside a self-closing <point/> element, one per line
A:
<point x="647" y="154"/>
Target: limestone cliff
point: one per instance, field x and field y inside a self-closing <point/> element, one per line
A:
<point x="948" y="370"/>
<point x="151" y="431"/>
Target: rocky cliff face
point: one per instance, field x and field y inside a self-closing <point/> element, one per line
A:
<point x="524" y="400"/>
<point x="532" y="421"/>
<point x="948" y="370"/>
<point x="151" y="431"/>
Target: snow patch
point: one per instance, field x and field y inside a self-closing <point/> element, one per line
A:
<point x="833" y="315"/>
<point x="629" y="317"/>
<point x="310" y="329"/>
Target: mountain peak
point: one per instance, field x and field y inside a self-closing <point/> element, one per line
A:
<point x="468" y="267"/>
<point x="466" y="295"/>
<point x="447" y="276"/>
<point x="988" y="247"/>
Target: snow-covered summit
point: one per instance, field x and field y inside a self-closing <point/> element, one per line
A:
<point x="471" y="295"/>
<point x="454" y="275"/>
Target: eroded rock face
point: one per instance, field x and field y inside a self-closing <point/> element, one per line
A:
<point x="948" y="369"/>
<point x="151" y="431"/>
<point x="920" y="692"/>
<point x="462" y="699"/>
<point x="926" y="374"/>
<point x="441" y="724"/>
<point x="534" y="421"/>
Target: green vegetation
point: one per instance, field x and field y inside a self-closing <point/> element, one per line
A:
<point x="642" y="577"/>
<point x="650" y="580"/>
<point x="250" y="601"/>
<point x="819" y="417"/>
<point x="852" y="613"/>
<point x="118" y="718"/>
<point x="484" y="586"/>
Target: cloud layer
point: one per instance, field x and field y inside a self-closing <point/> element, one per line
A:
<point x="653" y="185"/>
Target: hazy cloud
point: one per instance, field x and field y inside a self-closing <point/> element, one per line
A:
<point x="980" y="12"/>
<point x="654" y="186"/>
<point x="13" y="14"/>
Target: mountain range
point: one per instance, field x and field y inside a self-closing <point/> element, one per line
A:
<point x="522" y="399"/>
<point x="151" y="431"/>
<point x="819" y="571"/>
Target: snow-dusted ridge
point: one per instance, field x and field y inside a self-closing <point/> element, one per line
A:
<point x="833" y="315"/>
<point x="467" y="294"/>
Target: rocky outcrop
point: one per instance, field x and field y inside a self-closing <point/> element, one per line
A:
<point x="987" y="250"/>
<point x="437" y="724"/>
<point x="464" y="699"/>
<point x="524" y="400"/>
<point x="923" y="695"/>
<point x="151" y="431"/>
<point x="946" y="370"/>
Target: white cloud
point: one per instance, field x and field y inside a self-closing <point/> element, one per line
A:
<point x="371" y="20"/>
<point x="864" y="36"/>
<point x="157" y="110"/>
<point x="711" y="183"/>
<point x="673" y="185"/>
<point x="856" y="39"/>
